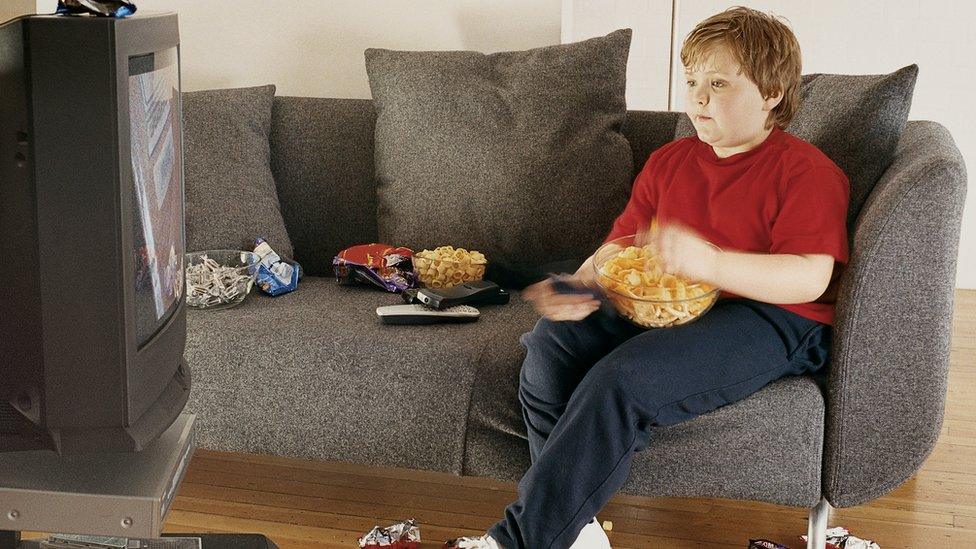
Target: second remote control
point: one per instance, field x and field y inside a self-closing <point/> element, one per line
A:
<point x="419" y="314"/>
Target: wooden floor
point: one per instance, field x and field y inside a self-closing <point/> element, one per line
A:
<point x="301" y="504"/>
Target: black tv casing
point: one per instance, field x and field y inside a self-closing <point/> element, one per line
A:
<point x="72" y="375"/>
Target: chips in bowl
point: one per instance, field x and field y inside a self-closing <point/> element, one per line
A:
<point x="632" y="279"/>
<point x="445" y="266"/>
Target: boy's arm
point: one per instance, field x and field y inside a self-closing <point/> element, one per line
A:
<point x="772" y="278"/>
<point x="779" y="278"/>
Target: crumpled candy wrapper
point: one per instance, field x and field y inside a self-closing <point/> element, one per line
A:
<point x="765" y="544"/>
<point x="385" y="266"/>
<point x="840" y="538"/>
<point x="275" y="276"/>
<point x="101" y="8"/>
<point x="402" y="535"/>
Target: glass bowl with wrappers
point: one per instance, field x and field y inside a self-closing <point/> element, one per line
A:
<point x="219" y="279"/>
<point x="446" y="266"/>
<point x="630" y="276"/>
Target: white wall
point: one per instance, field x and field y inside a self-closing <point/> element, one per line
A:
<point x="14" y="8"/>
<point x="315" y="48"/>
<point x="648" y="63"/>
<point x="862" y="37"/>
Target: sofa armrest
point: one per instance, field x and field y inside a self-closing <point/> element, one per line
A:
<point x="886" y="385"/>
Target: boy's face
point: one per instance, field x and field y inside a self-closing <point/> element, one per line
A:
<point x="727" y="109"/>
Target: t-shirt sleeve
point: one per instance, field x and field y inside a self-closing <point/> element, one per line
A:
<point x="641" y="206"/>
<point x="812" y="218"/>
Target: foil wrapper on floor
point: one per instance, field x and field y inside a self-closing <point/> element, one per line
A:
<point x="402" y="535"/>
<point x="382" y="265"/>
<point x="839" y="537"/>
<point x="765" y="544"/>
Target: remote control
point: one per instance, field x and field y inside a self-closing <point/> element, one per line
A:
<point x="502" y="297"/>
<point x="566" y="284"/>
<point x="420" y="314"/>
<point x="474" y="292"/>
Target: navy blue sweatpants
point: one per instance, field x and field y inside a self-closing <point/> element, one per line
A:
<point x="592" y="389"/>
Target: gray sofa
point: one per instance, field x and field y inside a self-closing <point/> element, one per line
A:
<point x="312" y="374"/>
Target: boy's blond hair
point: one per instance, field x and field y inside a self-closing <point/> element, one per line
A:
<point x="765" y="48"/>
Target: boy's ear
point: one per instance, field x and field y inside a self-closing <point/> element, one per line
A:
<point x="770" y="102"/>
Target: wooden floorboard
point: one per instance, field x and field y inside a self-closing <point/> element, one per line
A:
<point x="303" y="504"/>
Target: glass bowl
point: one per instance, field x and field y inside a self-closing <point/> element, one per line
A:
<point x="635" y="295"/>
<point x="444" y="273"/>
<point x="234" y="270"/>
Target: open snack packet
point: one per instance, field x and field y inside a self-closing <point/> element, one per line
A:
<point x="381" y="265"/>
<point x="765" y="544"/>
<point x="274" y="276"/>
<point x="402" y="535"/>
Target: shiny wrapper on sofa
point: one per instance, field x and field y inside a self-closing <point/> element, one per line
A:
<point x="275" y="275"/>
<point x="382" y="265"/>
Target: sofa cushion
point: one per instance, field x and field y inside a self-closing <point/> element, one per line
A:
<point x="856" y="120"/>
<point x="781" y="424"/>
<point x="322" y="160"/>
<point x="314" y="374"/>
<point x="230" y="193"/>
<point x="516" y="154"/>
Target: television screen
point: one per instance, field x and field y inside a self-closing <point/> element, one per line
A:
<point x="154" y="114"/>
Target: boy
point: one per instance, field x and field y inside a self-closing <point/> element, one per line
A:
<point x="592" y="387"/>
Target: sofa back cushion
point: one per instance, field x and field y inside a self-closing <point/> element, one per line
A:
<point x="230" y="193"/>
<point x="519" y="155"/>
<point x="646" y="131"/>
<point x="322" y="160"/>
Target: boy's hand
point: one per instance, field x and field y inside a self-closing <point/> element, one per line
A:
<point x="556" y="306"/>
<point x="682" y="251"/>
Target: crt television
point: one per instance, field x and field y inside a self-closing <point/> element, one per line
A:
<point x="92" y="240"/>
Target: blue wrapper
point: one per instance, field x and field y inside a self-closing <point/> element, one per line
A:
<point x="101" y="8"/>
<point x="274" y="275"/>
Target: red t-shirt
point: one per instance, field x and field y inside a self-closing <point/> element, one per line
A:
<point x="782" y="197"/>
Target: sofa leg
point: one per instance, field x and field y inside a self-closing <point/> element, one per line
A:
<point x="817" y="525"/>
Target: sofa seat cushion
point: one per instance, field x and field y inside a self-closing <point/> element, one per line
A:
<point x="314" y="374"/>
<point x="713" y="455"/>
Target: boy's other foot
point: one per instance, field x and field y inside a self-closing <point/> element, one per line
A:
<point x="592" y="536"/>
<point x="480" y="542"/>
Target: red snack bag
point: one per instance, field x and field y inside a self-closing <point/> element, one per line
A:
<point x="765" y="544"/>
<point x="389" y="267"/>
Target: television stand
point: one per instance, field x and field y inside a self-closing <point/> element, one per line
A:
<point x="208" y="541"/>
<point x="119" y="494"/>
<point x="9" y="539"/>
<point x="110" y="494"/>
